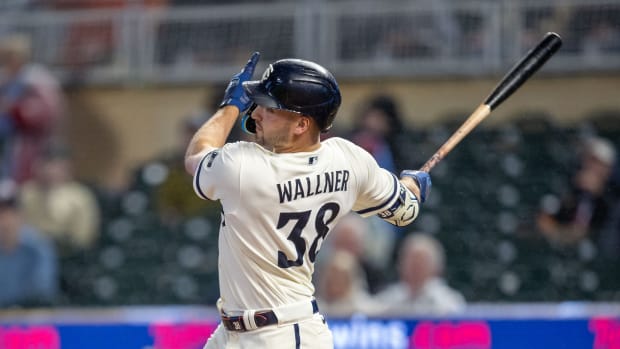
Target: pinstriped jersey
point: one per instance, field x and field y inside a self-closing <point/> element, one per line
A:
<point x="277" y="210"/>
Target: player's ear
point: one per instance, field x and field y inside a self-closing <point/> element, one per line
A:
<point x="303" y="124"/>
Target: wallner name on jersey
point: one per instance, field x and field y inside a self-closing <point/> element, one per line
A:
<point x="267" y="256"/>
<point x="300" y="188"/>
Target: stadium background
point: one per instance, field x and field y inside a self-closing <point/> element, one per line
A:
<point x="133" y="70"/>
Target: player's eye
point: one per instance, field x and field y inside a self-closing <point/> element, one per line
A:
<point x="270" y="110"/>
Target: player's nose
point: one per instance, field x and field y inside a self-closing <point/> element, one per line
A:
<point x="257" y="114"/>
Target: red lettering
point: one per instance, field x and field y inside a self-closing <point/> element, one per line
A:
<point x="606" y="333"/>
<point x="181" y="336"/>
<point x="449" y="335"/>
<point x="39" y="337"/>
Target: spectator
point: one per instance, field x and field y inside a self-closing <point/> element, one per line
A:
<point x="173" y="197"/>
<point x="602" y="38"/>
<point x="31" y="108"/>
<point x="435" y="25"/>
<point x="94" y="42"/>
<point x="582" y="211"/>
<point x="59" y="205"/>
<point x="380" y="131"/>
<point x="374" y="126"/>
<point x="172" y="193"/>
<point x="421" y="290"/>
<point x="351" y="234"/>
<point x="341" y="287"/>
<point x="28" y="265"/>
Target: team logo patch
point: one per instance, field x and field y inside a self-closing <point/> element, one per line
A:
<point x="267" y="72"/>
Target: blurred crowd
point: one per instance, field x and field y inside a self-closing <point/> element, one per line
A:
<point x="443" y="31"/>
<point x="45" y="213"/>
<point x="57" y="232"/>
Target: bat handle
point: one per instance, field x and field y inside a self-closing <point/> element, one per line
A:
<point x="472" y="121"/>
<point x="430" y="163"/>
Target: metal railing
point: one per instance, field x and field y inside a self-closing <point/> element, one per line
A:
<point x="355" y="39"/>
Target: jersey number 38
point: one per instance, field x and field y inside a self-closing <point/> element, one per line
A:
<point x="301" y="219"/>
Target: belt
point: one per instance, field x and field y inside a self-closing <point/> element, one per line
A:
<point x="254" y="319"/>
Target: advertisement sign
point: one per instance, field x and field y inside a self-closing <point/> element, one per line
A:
<point x="357" y="332"/>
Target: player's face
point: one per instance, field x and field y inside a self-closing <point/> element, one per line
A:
<point x="274" y="127"/>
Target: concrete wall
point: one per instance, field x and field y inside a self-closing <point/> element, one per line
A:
<point x="113" y="130"/>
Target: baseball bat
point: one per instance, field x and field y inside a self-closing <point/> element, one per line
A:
<point x="522" y="71"/>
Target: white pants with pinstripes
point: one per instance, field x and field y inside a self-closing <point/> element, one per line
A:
<point x="311" y="333"/>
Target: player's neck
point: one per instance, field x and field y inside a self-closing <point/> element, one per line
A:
<point x="299" y="145"/>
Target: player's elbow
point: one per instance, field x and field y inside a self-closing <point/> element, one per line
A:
<point x="404" y="211"/>
<point x="403" y="216"/>
<point x="191" y="162"/>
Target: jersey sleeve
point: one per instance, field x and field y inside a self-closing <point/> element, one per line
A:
<point x="378" y="188"/>
<point x="215" y="175"/>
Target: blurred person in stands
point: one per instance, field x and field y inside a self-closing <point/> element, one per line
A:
<point x="173" y="197"/>
<point x="585" y="207"/>
<point x="31" y="108"/>
<point x="93" y="43"/>
<point x="341" y="290"/>
<point x="602" y="38"/>
<point x="435" y="24"/>
<point x="28" y="265"/>
<point x="379" y="129"/>
<point x="172" y="193"/>
<point x="421" y="289"/>
<point x="351" y="235"/>
<point x="59" y="205"/>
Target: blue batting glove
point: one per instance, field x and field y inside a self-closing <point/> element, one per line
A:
<point x="423" y="179"/>
<point x="235" y="95"/>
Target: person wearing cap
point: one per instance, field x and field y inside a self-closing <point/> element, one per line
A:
<point x="584" y="208"/>
<point x="28" y="264"/>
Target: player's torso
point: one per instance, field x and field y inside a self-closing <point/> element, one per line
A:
<point x="272" y="234"/>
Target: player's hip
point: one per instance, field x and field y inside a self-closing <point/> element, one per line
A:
<point x="310" y="333"/>
<point x="253" y="319"/>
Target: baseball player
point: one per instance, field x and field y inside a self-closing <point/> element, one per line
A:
<point x="280" y="196"/>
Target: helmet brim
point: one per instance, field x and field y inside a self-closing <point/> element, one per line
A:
<point x="259" y="95"/>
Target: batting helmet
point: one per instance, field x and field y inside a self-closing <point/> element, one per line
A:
<point x="299" y="86"/>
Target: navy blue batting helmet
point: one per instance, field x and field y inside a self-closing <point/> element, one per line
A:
<point x="298" y="86"/>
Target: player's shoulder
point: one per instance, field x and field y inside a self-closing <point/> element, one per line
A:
<point x="230" y="154"/>
<point x="237" y="148"/>
<point x="342" y="143"/>
<point x="346" y="147"/>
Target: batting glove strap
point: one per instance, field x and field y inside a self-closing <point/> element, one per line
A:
<point x="423" y="179"/>
<point x="234" y="94"/>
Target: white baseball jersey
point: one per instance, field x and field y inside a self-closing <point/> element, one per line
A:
<point x="278" y="209"/>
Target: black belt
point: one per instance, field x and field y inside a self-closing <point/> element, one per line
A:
<point x="261" y="318"/>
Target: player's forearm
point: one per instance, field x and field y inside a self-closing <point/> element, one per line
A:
<point x="211" y="135"/>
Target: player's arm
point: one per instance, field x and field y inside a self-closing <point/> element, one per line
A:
<point x="381" y="193"/>
<point x="210" y="136"/>
<point x="414" y="189"/>
<point x="215" y="131"/>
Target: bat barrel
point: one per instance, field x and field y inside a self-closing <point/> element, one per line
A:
<point x="524" y="69"/>
<point x="527" y="66"/>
